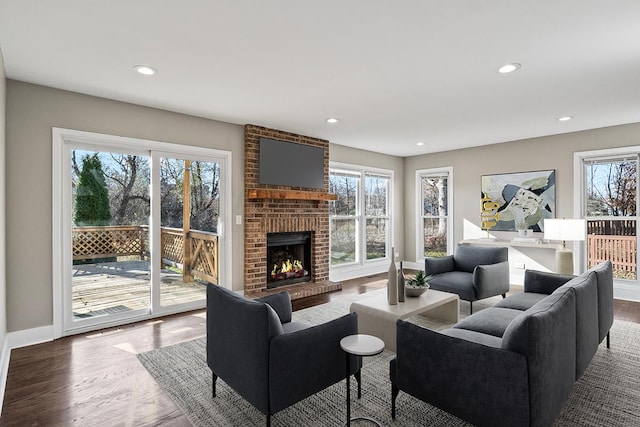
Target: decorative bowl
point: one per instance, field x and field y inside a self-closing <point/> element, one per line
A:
<point x="415" y="291"/>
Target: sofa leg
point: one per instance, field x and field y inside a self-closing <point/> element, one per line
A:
<point x="470" y="307"/>
<point x="359" y="381"/>
<point x="394" y="395"/>
<point x="268" y="420"/>
<point x="213" y="382"/>
<point x="504" y="296"/>
<point x="608" y="341"/>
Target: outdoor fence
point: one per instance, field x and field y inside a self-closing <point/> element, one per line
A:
<point x="114" y="241"/>
<point x="620" y="250"/>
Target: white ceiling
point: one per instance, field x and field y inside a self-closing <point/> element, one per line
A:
<point x="394" y="72"/>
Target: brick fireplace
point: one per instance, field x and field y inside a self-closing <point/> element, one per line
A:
<point x="272" y="209"/>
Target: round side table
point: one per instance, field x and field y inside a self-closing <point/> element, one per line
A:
<point x="359" y="345"/>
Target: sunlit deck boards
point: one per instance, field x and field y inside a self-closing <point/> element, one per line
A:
<point x="113" y="287"/>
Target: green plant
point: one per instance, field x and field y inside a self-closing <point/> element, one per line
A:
<point x="419" y="280"/>
<point x="92" y="196"/>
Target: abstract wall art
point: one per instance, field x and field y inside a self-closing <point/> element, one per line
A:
<point x="518" y="201"/>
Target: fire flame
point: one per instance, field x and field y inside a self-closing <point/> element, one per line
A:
<point x="287" y="267"/>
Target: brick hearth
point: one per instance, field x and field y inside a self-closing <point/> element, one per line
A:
<point x="264" y="216"/>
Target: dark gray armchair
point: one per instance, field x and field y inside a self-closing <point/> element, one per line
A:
<point x="473" y="272"/>
<point x="272" y="362"/>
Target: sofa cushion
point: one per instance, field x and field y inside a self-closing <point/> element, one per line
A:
<point x="543" y="282"/>
<point x="455" y="282"/>
<point x="491" y="321"/>
<point x="438" y="265"/>
<point x="467" y="257"/>
<point x="473" y="336"/>
<point x="294" y="326"/>
<point x="522" y="301"/>
<point x="281" y="303"/>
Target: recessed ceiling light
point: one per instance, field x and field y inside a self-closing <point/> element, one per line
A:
<point x="144" y="69"/>
<point x="332" y="120"/>
<point x="565" y="118"/>
<point x="419" y="144"/>
<point x="509" y="68"/>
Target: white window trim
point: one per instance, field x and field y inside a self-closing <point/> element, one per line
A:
<point x="622" y="289"/>
<point x="419" y="243"/>
<point x="61" y="232"/>
<point x="364" y="267"/>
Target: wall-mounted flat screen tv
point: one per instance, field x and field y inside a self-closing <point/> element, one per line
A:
<point x="291" y="164"/>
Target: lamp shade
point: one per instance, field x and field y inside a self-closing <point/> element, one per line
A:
<point x="565" y="229"/>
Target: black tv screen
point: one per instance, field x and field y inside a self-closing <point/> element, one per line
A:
<point x="291" y="164"/>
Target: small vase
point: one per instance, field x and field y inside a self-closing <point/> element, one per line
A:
<point x="392" y="284"/>
<point x="401" y="283"/>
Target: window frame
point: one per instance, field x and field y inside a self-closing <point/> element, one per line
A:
<point x="363" y="266"/>
<point x="622" y="288"/>
<point x="420" y="217"/>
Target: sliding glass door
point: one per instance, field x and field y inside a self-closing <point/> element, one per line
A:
<point x="142" y="229"/>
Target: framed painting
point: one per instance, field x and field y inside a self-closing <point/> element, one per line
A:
<point x="518" y="201"/>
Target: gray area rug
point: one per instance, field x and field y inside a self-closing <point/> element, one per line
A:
<point x="608" y="394"/>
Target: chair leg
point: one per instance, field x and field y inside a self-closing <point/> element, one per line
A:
<point x="359" y="381"/>
<point x="504" y="296"/>
<point x="470" y="307"/>
<point x="268" y="420"/>
<point x="394" y="393"/>
<point x="608" y="341"/>
<point x="213" y="382"/>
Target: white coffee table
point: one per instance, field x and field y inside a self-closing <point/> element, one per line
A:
<point x="377" y="317"/>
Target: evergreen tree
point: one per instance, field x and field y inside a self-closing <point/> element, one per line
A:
<point x="92" y="196"/>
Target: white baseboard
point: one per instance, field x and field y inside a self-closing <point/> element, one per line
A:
<point x="16" y="340"/>
<point x="4" y="369"/>
<point x="30" y="336"/>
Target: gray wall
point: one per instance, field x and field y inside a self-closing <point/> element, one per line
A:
<point x="3" y="261"/>
<point x="31" y="113"/>
<point x="551" y="152"/>
<point x="342" y="154"/>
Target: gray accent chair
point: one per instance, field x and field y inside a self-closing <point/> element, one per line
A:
<point x="473" y="272"/>
<point x="272" y="362"/>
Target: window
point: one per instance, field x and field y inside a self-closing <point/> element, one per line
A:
<point x="611" y="191"/>
<point x="359" y="218"/>
<point x="434" y="212"/>
<point x="376" y="189"/>
<point x="607" y="197"/>
<point x="344" y="214"/>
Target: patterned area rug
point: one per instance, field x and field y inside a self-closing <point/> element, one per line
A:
<point x="608" y="394"/>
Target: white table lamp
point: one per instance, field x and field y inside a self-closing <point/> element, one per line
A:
<point x="565" y="229"/>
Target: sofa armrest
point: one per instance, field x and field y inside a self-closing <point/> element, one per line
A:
<point x="304" y="362"/>
<point x="542" y="282"/>
<point x="281" y="304"/>
<point x="483" y="385"/>
<point x="492" y="279"/>
<point x="438" y="265"/>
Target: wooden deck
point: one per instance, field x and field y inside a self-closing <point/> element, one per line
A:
<point x="114" y="287"/>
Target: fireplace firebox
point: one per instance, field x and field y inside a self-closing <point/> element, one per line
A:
<point x="288" y="258"/>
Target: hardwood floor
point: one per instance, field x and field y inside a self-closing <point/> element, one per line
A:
<point x="95" y="379"/>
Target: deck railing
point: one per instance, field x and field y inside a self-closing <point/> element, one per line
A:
<point x="621" y="250"/>
<point x="114" y="241"/>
